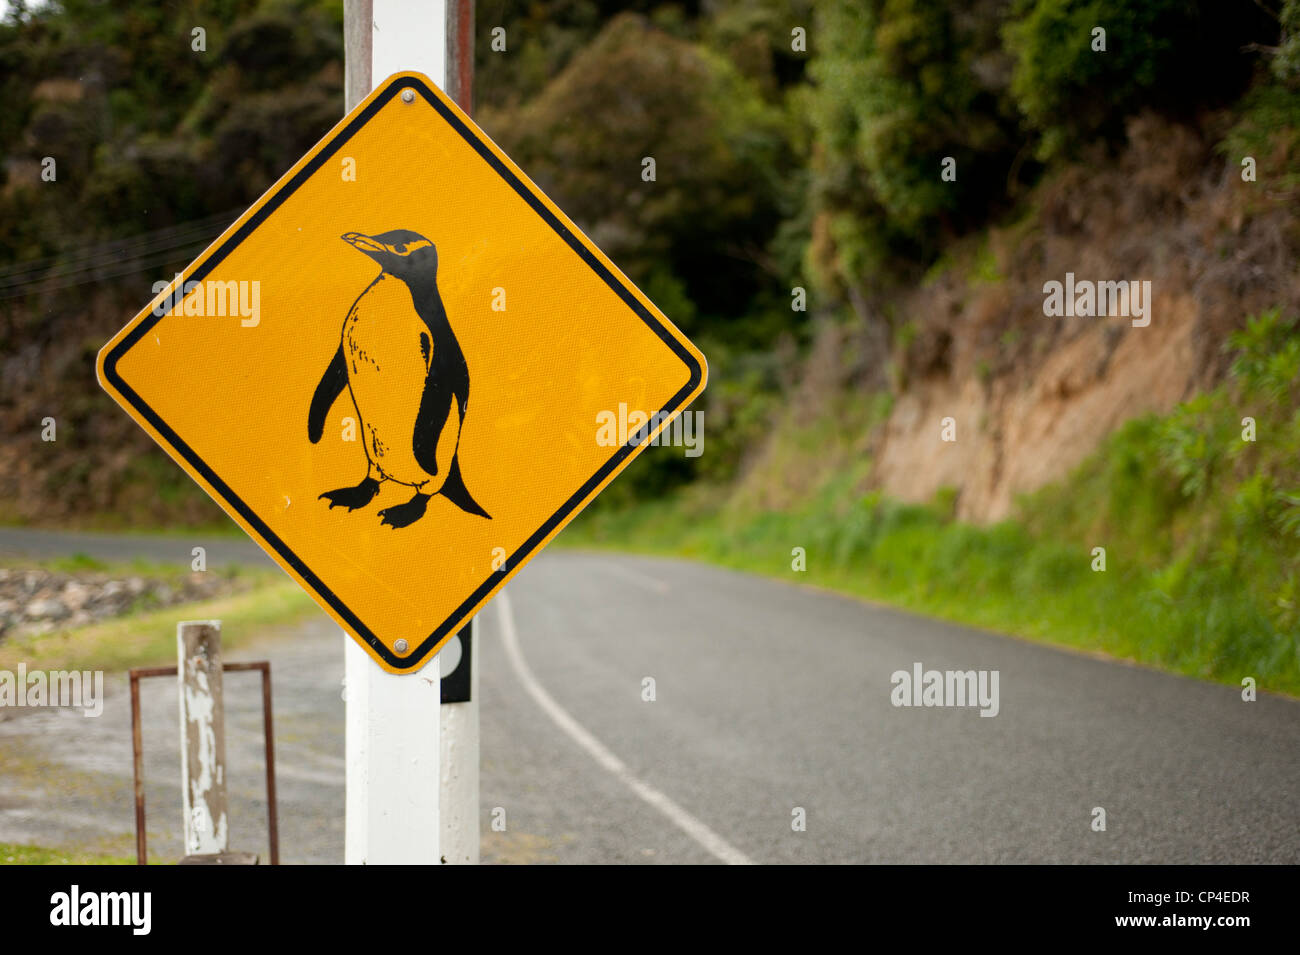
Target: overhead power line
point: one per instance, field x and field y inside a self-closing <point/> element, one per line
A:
<point x="96" y="262"/>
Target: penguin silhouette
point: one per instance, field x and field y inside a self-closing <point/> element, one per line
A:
<point x="408" y="378"/>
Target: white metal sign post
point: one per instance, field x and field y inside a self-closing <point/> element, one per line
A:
<point x="460" y="736"/>
<point x="410" y="780"/>
<point x="460" y="761"/>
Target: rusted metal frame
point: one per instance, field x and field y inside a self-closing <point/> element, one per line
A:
<point x="137" y="747"/>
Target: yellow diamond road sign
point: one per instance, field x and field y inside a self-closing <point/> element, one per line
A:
<point x="393" y="369"/>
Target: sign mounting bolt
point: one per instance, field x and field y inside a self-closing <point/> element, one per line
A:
<point x="408" y="96"/>
<point x="400" y="646"/>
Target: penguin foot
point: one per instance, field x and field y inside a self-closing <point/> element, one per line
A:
<point x="403" y="515"/>
<point x="352" y="497"/>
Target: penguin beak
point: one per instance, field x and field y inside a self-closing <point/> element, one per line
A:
<point x="364" y="243"/>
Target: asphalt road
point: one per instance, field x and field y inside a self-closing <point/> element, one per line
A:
<point x="220" y="549"/>
<point x="769" y="698"/>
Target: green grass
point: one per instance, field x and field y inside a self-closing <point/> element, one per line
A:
<point x="11" y="854"/>
<point x="76" y="564"/>
<point x="1201" y="530"/>
<point x="147" y="638"/>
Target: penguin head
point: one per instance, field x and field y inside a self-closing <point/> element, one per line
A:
<point x="401" y="253"/>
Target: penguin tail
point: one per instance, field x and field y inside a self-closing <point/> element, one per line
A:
<point x="454" y="490"/>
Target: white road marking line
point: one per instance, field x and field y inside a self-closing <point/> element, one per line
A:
<point x="706" y="837"/>
<point x="636" y="577"/>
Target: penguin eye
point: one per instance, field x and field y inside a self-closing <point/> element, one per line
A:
<point x="400" y="248"/>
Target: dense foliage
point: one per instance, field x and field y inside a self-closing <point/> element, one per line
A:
<point x="796" y="145"/>
<point x="901" y="84"/>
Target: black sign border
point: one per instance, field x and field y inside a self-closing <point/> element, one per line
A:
<point x="272" y="202"/>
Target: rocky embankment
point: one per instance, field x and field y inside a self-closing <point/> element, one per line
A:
<point x="35" y="600"/>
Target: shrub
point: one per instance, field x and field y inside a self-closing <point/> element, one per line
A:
<point x="1158" y="53"/>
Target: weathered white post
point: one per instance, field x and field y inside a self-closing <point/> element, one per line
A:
<point x="203" y="737"/>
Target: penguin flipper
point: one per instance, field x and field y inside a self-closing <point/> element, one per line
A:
<point x="435" y="407"/>
<point x="331" y="386"/>
<point x="454" y="490"/>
